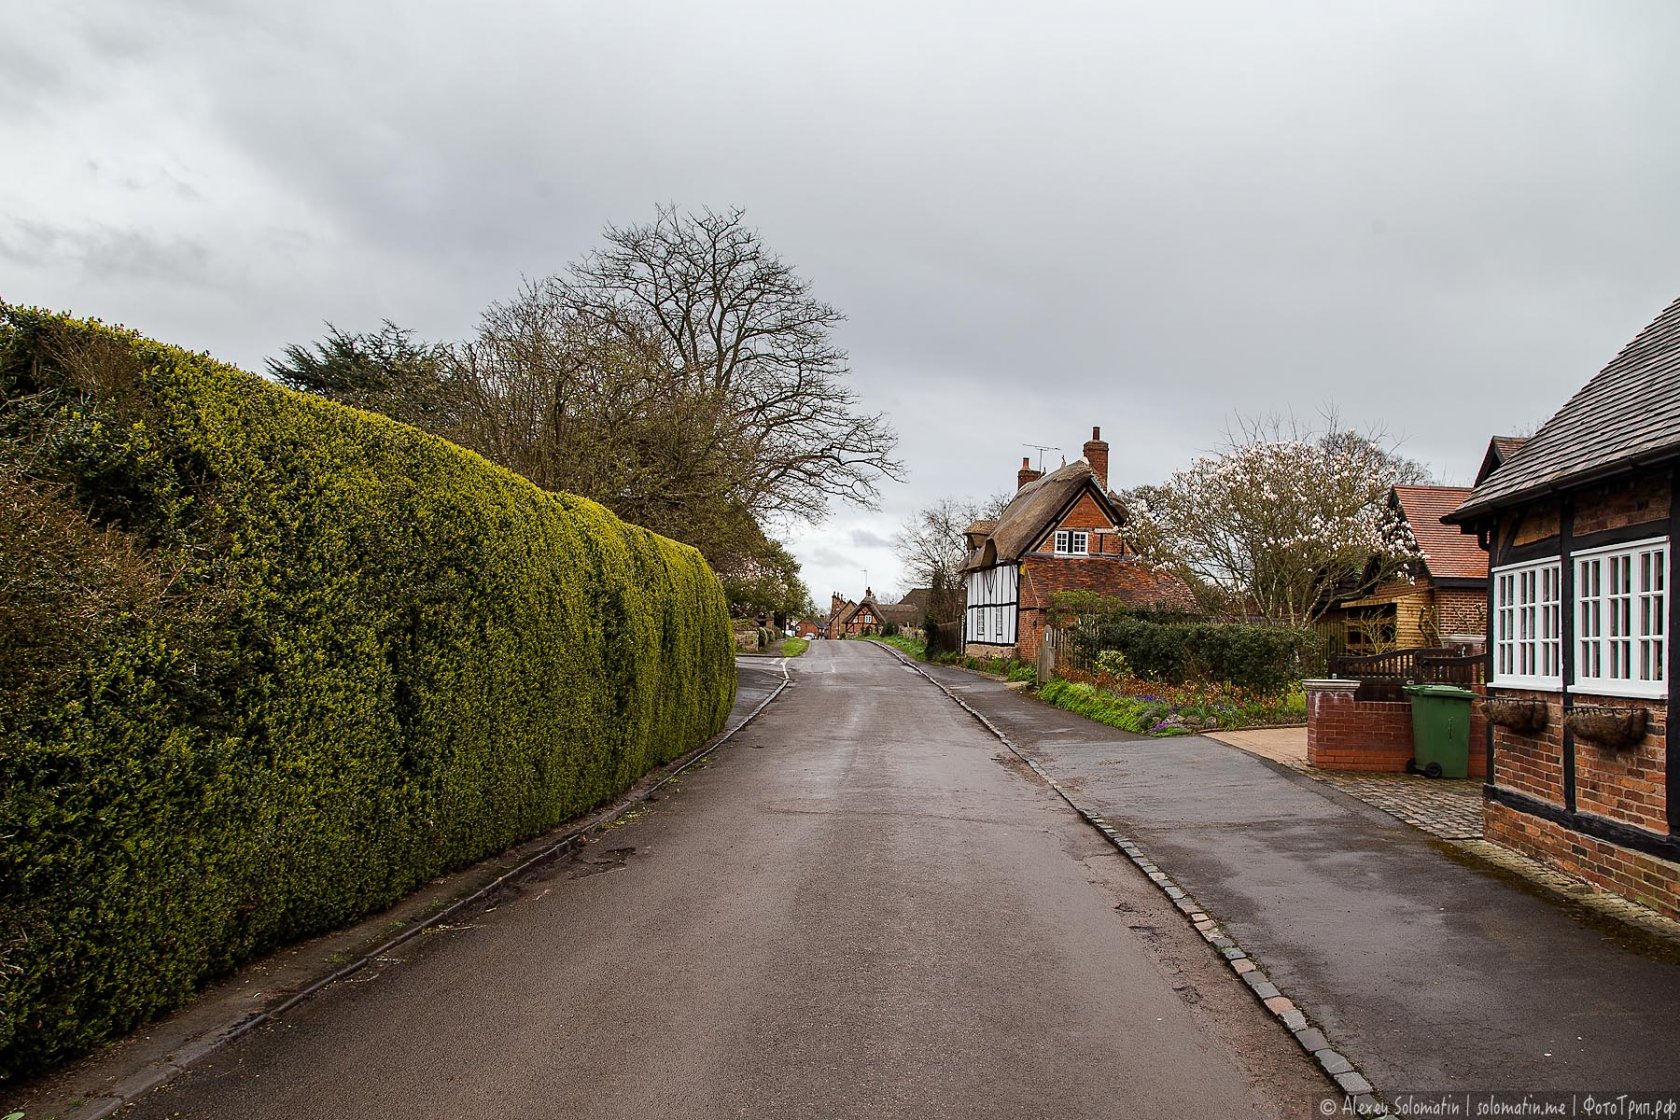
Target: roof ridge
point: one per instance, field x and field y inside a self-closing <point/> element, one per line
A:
<point x="1629" y="410"/>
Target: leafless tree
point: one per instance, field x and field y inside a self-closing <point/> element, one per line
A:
<point x="681" y="374"/>
<point x="743" y="332"/>
<point x="933" y="543"/>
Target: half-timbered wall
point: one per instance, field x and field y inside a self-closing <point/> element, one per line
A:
<point x="1610" y="815"/>
<point x="990" y="613"/>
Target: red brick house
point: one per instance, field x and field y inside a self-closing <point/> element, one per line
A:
<point x="1061" y="532"/>
<point x="1443" y="603"/>
<point x="1578" y="523"/>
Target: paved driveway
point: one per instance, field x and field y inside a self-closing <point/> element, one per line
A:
<point x="1430" y="973"/>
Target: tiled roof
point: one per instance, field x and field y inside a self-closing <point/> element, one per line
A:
<point x="1500" y="450"/>
<point x="1508" y="446"/>
<point x="1627" y="416"/>
<point x="1447" y="553"/>
<point x="1138" y="585"/>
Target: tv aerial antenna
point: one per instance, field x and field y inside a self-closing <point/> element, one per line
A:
<point x="1041" y="448"/>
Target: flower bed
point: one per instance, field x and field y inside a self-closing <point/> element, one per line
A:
<point x="1146" y="707"/>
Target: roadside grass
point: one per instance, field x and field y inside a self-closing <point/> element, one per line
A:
<point x="786" y="647"/>
<point x="910" y="646"/>
<point x="1158" y="709"/>
<point x="1007" y="668"/>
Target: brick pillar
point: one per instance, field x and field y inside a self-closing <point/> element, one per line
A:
<point x="1330" y="714"/>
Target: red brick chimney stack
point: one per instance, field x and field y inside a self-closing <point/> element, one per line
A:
<point x="1026" y="474"/>
<point x="1096" y="454"/>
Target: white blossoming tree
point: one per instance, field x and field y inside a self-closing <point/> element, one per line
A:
<point x="1282" y="524"/>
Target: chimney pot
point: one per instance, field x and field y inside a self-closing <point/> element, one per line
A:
<point x="1026" y="474"/>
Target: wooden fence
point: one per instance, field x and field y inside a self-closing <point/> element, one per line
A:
<point x="1382" y="676"/>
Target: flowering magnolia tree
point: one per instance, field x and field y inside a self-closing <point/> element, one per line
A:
<point x="1282" y="527"/>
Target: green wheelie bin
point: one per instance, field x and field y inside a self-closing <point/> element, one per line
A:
<point x="1441" y="729"/>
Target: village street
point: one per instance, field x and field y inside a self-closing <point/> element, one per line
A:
<point x="864" y="907"/>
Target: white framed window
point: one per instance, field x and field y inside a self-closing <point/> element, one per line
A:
<point x="1073" y="542"/>
<point x="1621" y="620"/>
<point x="1528" y="625"/>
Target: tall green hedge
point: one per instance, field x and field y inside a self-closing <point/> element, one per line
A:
<point x="359" y="656"/>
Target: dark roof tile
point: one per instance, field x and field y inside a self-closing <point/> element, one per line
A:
<point x="1628" y="413"/>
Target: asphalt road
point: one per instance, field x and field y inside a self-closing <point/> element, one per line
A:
<point x="862" y="907"/>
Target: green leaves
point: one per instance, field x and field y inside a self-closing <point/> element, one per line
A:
<point x="369" y="657"/>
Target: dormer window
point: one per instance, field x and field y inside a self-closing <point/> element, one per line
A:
<point x="1071" y="542"/>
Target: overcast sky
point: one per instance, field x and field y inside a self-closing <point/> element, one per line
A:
<point x="1441" y="218"/>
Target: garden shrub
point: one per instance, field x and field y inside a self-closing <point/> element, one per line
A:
<point x="1113" y="663"/>
<point x="1263" y="658"/>
<point x="310" y="659"/>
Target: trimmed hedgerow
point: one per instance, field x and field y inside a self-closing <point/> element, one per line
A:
<point x="329" y="657"/>
<point x="1262" y="658"/>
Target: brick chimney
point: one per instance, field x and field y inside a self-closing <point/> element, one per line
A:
<point x="1096" y="454"/>
<point x="1026" y="474"/>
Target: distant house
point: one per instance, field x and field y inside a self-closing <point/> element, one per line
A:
<point x="922" y="600"/>
<point x="866" y="616"/>
<point x="1443" y="603"/>
<point x="1578" y="524"/>
<point x="810" y="627"/>
<point x="1063" y="531"/>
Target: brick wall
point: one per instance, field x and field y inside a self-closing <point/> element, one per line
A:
<point x="1644" y="878"/>
<point x="1629" y="503"/>
<point x="1531" y="764"/>
<point x="1536" y="523"/>
<point x="1372" y="735"/>
<point x="1088" y="515"/>
<point x="1626" y="785"/>
<point x="1461" y="612"/>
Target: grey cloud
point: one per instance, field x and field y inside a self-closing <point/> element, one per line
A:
<point x="1443" y="218"/>
<point x="109" y="252"/>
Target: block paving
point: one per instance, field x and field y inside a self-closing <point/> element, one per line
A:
<point x="1450" y="808"/>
